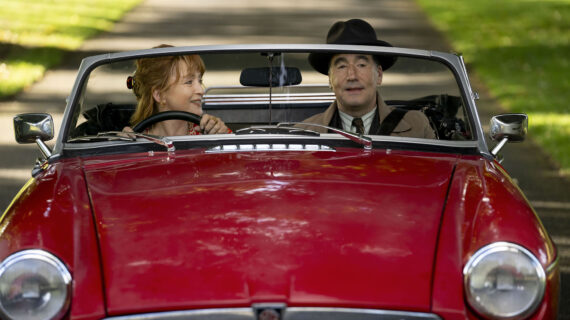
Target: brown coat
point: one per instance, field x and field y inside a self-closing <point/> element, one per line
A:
<point x="414" y="124"/>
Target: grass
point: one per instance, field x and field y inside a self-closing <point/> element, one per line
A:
<point x="521" y="51"/>
<point x="36" y="34"/>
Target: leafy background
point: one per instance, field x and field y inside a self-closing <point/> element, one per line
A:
<point x="521" y="50"/>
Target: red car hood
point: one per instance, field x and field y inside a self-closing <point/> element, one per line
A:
<point x="338" y="228"/>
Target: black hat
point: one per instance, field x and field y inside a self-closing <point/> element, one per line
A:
<point x="353" y="31"/>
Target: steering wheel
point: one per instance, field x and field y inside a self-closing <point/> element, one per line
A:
<point x="167" y="115"/>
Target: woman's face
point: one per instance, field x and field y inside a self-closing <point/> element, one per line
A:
<point x="184" y="94"/>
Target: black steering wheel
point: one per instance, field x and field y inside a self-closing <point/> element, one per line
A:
<point x="167" y="115"/>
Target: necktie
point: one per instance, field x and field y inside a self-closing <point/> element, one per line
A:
<point x="357" y="122"/>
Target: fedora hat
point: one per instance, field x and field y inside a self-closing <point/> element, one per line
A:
<point x="353" y="31"/>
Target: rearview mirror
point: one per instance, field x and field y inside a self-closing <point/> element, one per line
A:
<point x="278" y="77"/>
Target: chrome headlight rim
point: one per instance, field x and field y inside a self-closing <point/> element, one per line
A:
<point x="503" y="246"/>
<point x="44" y="256"/>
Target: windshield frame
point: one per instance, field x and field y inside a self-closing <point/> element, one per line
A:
<point x="452" y="61"/>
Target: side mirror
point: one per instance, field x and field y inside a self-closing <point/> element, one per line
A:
<point x="508" y="127"/>
<point x="34" y="127"/>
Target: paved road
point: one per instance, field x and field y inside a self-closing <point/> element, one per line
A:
<point x="182" y="22"/>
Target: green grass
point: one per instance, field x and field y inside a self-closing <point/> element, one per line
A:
<point x="521" y="51"/>
<point x="36" y="34"/>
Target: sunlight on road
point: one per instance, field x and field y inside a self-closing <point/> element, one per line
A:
<point x="16" y="174"/>
<point x="563" y="245"/>
<point x="550" y="205"/>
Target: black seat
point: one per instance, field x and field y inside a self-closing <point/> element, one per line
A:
<point x="105" y="117"/>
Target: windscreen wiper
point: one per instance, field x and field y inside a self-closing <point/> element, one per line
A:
<point x="364" y="141"/>
<point x="272" y="129"/>
<point x="294" y="128"/>
<point x="125" y="136"/>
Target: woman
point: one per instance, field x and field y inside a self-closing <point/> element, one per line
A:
<point x="172" y="83"/>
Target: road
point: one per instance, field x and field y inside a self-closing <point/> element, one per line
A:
<point x="182" y="22"/>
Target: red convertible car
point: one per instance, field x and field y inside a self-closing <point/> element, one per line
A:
<point x="283" y="217"/>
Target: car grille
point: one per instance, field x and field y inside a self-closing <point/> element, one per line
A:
<point x="282" y="313"/>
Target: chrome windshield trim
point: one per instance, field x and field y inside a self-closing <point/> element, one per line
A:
<point x="88" y="63"/>
<point x="294" y="313"/>
<point x="472" y="105"/>
<point x="252" y="139"/>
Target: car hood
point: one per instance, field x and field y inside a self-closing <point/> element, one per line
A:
<point x="197" y="229"/>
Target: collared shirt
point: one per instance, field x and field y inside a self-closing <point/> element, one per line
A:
<point x="414" y="124"/>
<point x="347" y="121"/>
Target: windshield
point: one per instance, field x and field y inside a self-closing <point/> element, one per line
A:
<point x="239" y="89"/>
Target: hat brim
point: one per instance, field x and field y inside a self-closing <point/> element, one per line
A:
<point x="320" y="60"/>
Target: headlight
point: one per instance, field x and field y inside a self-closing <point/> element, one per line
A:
<point x="504" y="280"/>
<point x="34" y="285"/>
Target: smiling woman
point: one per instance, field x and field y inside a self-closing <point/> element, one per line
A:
<point x="166" y="84"/>
<point x="36" y="34"/>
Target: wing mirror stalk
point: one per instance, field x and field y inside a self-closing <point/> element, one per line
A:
<point x="34" y="127"/>
<point x="511" y="127"/>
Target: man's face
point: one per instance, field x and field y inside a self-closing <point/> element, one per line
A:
<point x="354" y="78"/>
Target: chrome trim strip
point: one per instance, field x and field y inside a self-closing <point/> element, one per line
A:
<point x="227" y="138"/>
<point x="469" y="88"/>
<point x="252" y="47"/>
<point x="240" y="87"/>
<point x="202" y="314"/>
<point x="273" y="96"/>
<point x="248" y="102"/>
<point x="552" y="266"/>
<point x="353" y="314"/>
<point x="294" y="313"/>
<point x="264" y="98"/>
<point x="472" y="105"/>
<point x="269" y="147"/>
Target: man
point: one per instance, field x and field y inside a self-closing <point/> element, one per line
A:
<point x="354" y="78"/>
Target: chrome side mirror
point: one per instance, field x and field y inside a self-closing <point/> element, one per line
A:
<point x="508" y="127"/>
<point x="34" y="127"/>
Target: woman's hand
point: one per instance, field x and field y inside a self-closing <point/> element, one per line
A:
<point x="128" y="130"/>
<point x="212" y="125"/>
